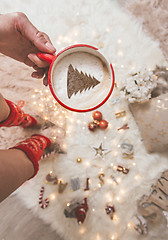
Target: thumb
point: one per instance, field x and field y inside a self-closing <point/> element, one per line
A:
<point x="43" y="43"/>
<point x="39" y="39"/>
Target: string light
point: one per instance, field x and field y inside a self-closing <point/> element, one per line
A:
<point x="129" y="225"/>
<point x="120" y="53"/>
<point x="115" y="218"/>
<point x="52" y="196"/>
<point x="119" y="180"/>
<point x="118" y="199"/>
<point x="82" y="230"/>
<point x="137" y="177"/>
<point x="114" y="237"/>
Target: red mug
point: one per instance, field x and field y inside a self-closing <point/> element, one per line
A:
<point x="53" y="60"/>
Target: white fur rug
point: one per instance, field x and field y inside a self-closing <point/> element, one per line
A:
<point x="102" y="24"/>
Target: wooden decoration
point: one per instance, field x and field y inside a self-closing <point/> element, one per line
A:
<point x="152" y="206"/>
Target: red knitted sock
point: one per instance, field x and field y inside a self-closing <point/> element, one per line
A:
<point x="17" y="117"/>
<point x="33" y="147"/>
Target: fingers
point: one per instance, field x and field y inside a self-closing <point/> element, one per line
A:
<point x="39" y="73"/>
<point x="45" y="80"/>
<point x="37" y="61"/>
<point x="43" y="43"/>
<point x="39" y="39"/>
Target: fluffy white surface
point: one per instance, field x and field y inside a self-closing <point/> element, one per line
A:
<point x="99" y="23"/>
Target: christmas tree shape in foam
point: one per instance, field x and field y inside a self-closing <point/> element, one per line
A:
<point x="78" y="81"/>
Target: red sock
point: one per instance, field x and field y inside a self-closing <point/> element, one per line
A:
<point x="33" y="147"/>
<point x="17" y="117"/>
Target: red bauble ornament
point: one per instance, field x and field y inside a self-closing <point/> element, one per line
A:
<point x="97" y="116"/>
<point x="92" y="126"/>
<point x="103" y="124"/>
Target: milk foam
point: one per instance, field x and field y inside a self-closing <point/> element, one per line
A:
<point x="89" y="64"/>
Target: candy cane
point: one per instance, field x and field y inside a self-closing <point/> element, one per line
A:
<point x="43" y="203"/>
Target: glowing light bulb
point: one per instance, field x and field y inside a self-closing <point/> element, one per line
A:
<point x="137" y="177"/>
<point x="52" y="196"/>
<point x="93" y="210"/>
<point x="87" y="163"/>
<point x="129" y="225"/>
<point x="120" y="53"/>
<point x="119" y="180"/>
<point x="82" y="230"/>
<point x="118" y="199"/>
<point x="115" y="153"/>
<point x="122" y="191"/>
<point x="115" y="218"/>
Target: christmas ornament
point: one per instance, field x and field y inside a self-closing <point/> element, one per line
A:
<point x="125" y="126"/>
<point x="61" y="186"/>
<point x="77" y="210"/>
<point x="140" y="224"/>
<point x="100" y="151"/>
<point x="51" y="178"/>
<point x="110" y="210"/>
<point x="92" y="126"/>
<point x="97" y="116"/>
<point x="87" y="185"/>
<point x="98" y="122"/>
<point x="75" y="184"/>
<point x="122" y="169"/>
<point x="120" y="114"/>
<point x="43" y="203"/>
<point x="77" y="81"/>
<point x="103" y="124"/>
<point x="79" y="160"/>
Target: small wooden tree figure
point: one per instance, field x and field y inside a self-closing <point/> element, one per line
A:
<point x="78" y="81"/>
